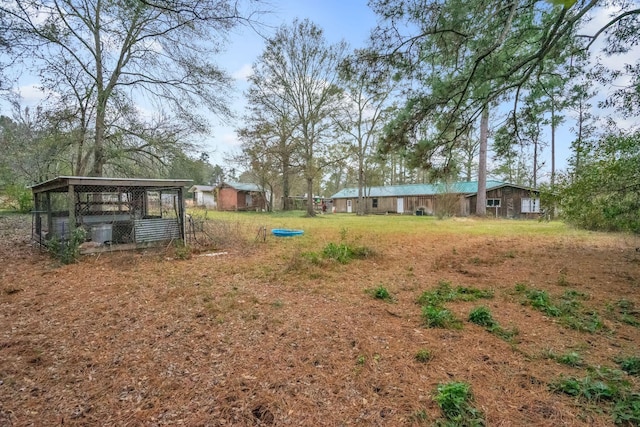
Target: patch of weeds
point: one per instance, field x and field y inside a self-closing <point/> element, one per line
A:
<point x="630" y="365"/>
<point x="505" y="334"/>
<point x="482" y="316"/>
<point x="599" y="384"/>
<point x="419" y="416"/>
<point x="562" y="280"/>
<point x="541" y="301"/>
<point x="472" y="294"/>
<point x="277" y="304"/>
<point x="380" y="293"/>
<point x="423" y="355"/>
<point x="475" y="260"/>
<point x="436" y="316"/>
<point x="445" y="293"/>
<point x="182" y="251"/>
<point x="626" y="411"/>
<point x="313" y="257"/>
<point x="361" y="360"/>
<point x="510" y="254"/>
<point x="344" y="253"/>
<point x="520" y="287"/>
<point x="455" y="400"/>
<point x="568" y="309"/>
<point x="606" y="388"/>
<point x="625" y="312"/>
<point x="570" y="359"/>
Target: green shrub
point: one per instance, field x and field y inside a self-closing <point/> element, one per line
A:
<point x="19" y="198"/>
<point x="67" y="251"/>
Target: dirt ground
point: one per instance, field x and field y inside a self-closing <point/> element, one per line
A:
<point x="259" y="335"/>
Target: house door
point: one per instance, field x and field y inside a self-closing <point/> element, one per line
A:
<point x="400" y="205"/>
<point x="349" y="207"/>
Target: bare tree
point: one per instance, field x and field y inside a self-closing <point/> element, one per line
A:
<point x="100" y="57"/>
<point x="361" y="116"/>
<point x="300" y="68"/>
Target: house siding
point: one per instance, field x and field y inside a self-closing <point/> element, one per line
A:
<point x="510" y="202"/>
<point x="448" y="204"/>
<point x="231" y="199"/>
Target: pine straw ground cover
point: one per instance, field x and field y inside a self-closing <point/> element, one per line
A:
<point x="275" y="333"/>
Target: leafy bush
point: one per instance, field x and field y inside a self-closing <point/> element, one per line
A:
<point x="19" y="198"/>
<point x="599" y="195"/>
<point x="67" y="251"/>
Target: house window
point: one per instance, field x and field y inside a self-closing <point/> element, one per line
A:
<point x="493" y="203"/>
<point x="530" y="205"/>
<point x="374" y="203"/>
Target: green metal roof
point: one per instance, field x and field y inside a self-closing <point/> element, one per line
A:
<point x="417" y="189"/>
<point x="243" y="186"/>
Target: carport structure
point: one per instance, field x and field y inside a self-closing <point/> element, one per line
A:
<point x="122" y="213"/>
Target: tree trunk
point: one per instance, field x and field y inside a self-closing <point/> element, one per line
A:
<point x="285" y="185"/>
<point x="310" y="210"/>
<point x="361" y="204"/>
<point x="481" y="205"/>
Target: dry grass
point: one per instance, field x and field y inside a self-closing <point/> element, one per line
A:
<point x="268" y="335"/>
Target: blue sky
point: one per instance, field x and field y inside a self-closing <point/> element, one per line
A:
<point x="349" y="20"/>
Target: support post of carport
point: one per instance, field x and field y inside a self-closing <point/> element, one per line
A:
<point x="72" y="209"/>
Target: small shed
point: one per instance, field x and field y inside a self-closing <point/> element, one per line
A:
<point x="122" y="213"/>
<point x="238" y="196"/>
<point x="203" y="196"/>
<point x="458" y="198"/>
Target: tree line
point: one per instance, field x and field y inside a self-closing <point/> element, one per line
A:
<point x="437" y="82"/>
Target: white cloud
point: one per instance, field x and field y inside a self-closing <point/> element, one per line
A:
<point x="230" y="139"/>
<point x="243" y="73"/>
<point x="33" y="94"/>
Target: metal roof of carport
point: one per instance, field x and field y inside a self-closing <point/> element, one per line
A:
<point x="61" y="183"/>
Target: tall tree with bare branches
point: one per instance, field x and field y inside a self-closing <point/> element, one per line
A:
<point x="100" y="58"/>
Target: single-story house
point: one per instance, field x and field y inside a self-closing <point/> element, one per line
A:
<point x="503" y="199"/>
<point x="237" y="196"/>
<point x="203" y="196"/>
<point x="116" y="213"/>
